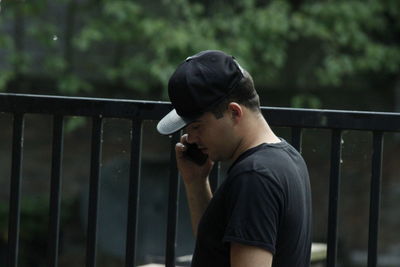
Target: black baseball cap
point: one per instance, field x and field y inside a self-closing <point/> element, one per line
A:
<point x="199" y="83"/>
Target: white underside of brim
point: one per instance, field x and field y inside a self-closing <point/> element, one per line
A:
<point x="172" y="123"/>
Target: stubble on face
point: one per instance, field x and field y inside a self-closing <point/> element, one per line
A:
<point x="218" y="137"/>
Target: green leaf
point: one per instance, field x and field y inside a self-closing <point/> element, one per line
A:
<point x="5" y="77"/>
<point x="72" y="85"/>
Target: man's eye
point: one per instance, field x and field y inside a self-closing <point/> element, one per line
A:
<point x="195" y="127"/>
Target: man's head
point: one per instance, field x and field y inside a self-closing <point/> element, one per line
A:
<point x="206" y="82"/>
<point x="244" y="94"/>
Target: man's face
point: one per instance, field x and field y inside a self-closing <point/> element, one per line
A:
<point x="214" y="137"/>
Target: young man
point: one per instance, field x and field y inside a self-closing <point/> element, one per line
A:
<point x="261" y="214"/>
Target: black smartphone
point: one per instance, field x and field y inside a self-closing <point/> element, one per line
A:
<point x="194" y="154"/>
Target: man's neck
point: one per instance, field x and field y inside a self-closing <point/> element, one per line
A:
<point x="255" y="131"/>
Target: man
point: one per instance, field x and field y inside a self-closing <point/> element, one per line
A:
<point x="261" y="214"/>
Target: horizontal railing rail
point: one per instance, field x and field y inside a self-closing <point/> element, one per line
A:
<point x="154" y="110"/>
<point x="138" y="111"/>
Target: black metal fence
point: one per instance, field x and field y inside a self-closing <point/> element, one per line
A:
<point x="139" y="111"/>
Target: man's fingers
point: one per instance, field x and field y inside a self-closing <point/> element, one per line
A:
<point x="180" y="147"/>
<point x="184" y="139"/>
<point x="180" y="150"/>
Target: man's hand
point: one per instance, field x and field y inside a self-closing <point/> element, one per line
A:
<point x="195" y="178"/>
<point x="190" y="171"/>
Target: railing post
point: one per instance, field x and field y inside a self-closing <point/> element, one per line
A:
<point x="15" y="190"/>
<point x="94" y="190"/>
<point x="334" y="184"/>
<point x="173" y="202"/>
<point x="134" y="189"/>
<point x="375" y="199"/>
<point x="297" y="138"/>
<point x="55" y="193"/>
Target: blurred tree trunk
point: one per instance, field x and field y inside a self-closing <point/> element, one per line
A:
<point x="69" y="33"/>
<point x="19" y="38"/>
<point x="397" y="94"/>
<point x="397" y="101"/>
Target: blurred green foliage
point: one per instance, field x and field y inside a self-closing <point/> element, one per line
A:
<point x="136" y="45"/>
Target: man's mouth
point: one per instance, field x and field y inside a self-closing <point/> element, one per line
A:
<point x="203" y="149"/>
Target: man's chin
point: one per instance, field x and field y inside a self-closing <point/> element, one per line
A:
<point x="214" y="158"/>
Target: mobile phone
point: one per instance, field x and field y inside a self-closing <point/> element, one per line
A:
<point x="194" y="154"/>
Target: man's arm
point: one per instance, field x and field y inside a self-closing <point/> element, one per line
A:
<point x="198" y="195"/>
<point x="249" y="256"/>
<point x="195" y="178"/>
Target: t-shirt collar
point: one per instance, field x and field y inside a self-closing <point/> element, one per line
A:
<point x="252" y="150"/>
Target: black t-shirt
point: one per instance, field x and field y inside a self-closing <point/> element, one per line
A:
<point x="265" y="201"/>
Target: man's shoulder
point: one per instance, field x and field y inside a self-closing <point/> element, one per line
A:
<point x="262" y="157"/>
<point x="272" y="161"/>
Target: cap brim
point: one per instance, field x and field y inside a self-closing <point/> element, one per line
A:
<point x="172" y="123"/>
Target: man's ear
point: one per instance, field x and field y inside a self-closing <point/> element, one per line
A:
<point x="235" y="111"/>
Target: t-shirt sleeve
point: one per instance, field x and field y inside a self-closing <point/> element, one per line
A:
<point x="254" y="204"/>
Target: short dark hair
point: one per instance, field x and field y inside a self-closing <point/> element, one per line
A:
<point x="244" y="93"/>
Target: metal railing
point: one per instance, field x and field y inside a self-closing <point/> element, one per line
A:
<point x="139" y="111"/>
